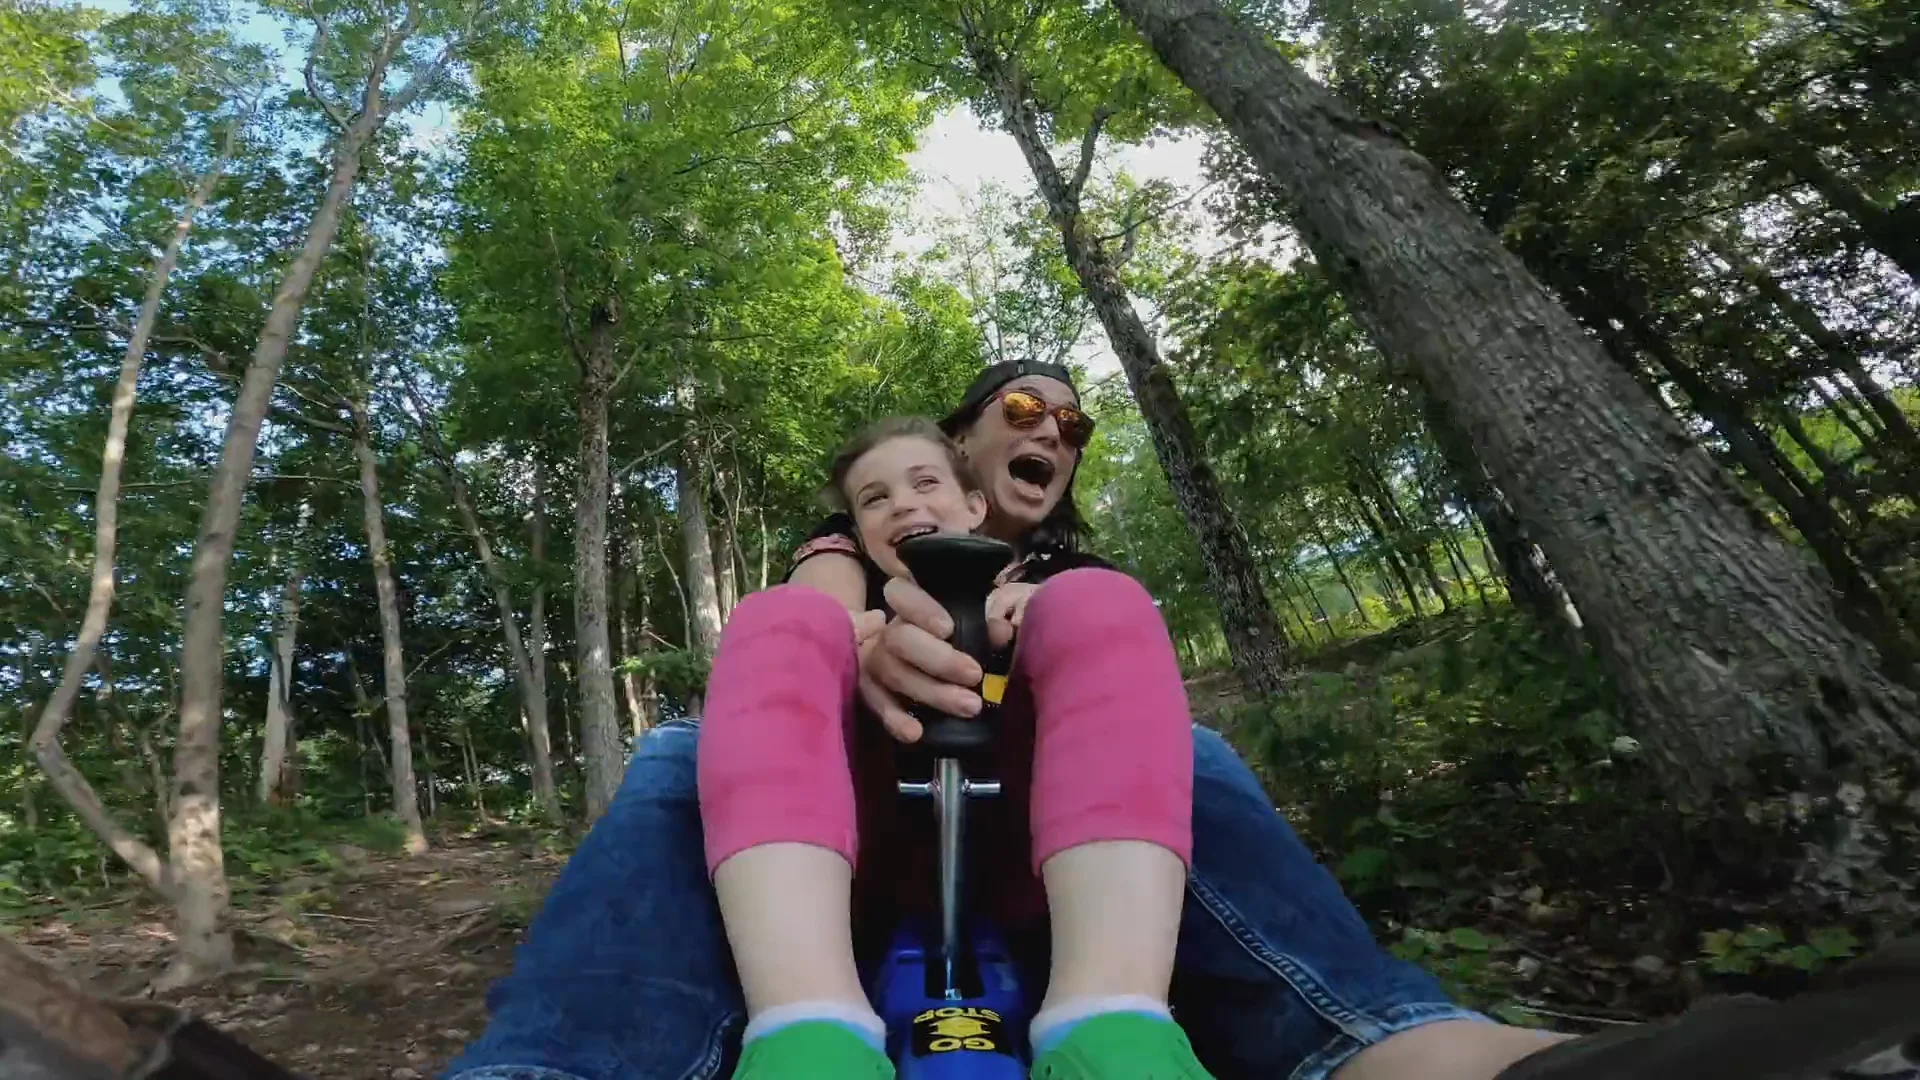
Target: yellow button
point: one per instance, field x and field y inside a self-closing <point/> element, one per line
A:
<point x="993" y="688"/>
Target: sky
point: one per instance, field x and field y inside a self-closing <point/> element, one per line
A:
<point x="958" y="154"/>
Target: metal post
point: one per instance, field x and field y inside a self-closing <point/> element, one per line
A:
<point x="950" y="789"/>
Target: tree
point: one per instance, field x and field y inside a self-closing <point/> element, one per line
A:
<point x="43" y="59"/>
<point x="191" y="875"/>
<point x="393" y="661"/>
<point x="279" y="757"/>
<point x="194" y="833"/>
<point x="1727" y="644"/>
<point x="71" y="785"/>
<point x="533" y="697"/>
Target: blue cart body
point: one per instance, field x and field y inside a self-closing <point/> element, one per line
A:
<point x="933" y="1037"/>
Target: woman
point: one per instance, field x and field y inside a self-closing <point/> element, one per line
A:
<point x="625" y="974"/>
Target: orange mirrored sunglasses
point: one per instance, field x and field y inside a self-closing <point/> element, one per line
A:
<point x="1024" y="410"/>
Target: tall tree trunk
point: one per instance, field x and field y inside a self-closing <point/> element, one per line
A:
<point x="760" y="513"/>
<point x="1857" y="419"/>
<point x="679" y="588"/>
<point x="1306" y="589"/>
<point x="1531" y="583"/>
<point x="1389" y="551"/>
<point x="1405" y="538"/>
<point x="629" y="677"/>
<point x="1837" y="481"/>
<point x="726" y="581"/>
<point x="470" y="764"/>
<point x="195" y="877"/>
<point x="393" y="663"/>
<point x="702" y="589"/>
<point x="649" y="680"/>
<point x="569" y="720"/>
<point x="533" y="698"/>
<point x="593" y="649"/>
<point x="431" y="785"/>
<point x="1339" y="568"/>
<point x="1287" y="600"/>
<point x="537" y="605"/>
<point x="279" y="761"/>
<point x="1253" y="633"/>
<point x="633" y="643"/>
<point x="1725" y="643"/>
<point x="193" y="835"/>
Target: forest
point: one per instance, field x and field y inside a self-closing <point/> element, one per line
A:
<point x="1516" y="423"/>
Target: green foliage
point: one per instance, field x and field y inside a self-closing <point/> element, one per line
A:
<point x="1469" y="964"/>
<point x="44" y="57"/>
<point x="1742" y="952"/>
<point x="725" y="184"/>
<point x="1408" y="769"/>
<point x="61" y="862"/>
<point x="680" y="672"/>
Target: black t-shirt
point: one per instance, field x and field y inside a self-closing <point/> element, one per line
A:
<point x="837" y="534"/>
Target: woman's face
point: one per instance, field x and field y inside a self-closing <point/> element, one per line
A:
<point x="1025" y="471"/>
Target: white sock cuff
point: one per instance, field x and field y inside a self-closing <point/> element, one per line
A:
<point x="1074" y="1010"/>
<point x="858" y="1016"/>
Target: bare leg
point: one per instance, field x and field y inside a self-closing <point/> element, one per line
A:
<point x="1115" y="908"/>
<point x="786" y="906"/>
<point x="1448" y="1050"/>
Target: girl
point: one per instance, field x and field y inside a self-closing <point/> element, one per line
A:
<point x="1110" y="806"/>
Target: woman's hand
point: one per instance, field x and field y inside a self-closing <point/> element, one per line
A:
<point x="910" y="661"/>
<point x="1006" y="607"/>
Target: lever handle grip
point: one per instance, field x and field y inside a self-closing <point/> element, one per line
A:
<point x="958" y="570"/>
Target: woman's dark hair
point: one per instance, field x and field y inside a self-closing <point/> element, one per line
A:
<point x="887" y="430"/>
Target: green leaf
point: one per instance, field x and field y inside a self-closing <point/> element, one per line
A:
<point x="1362" y="864"/>
<point x="1834" y="942"/>
<point x="1469" y="939"/>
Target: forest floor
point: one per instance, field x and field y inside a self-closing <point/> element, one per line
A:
<point x="373" y="971"/>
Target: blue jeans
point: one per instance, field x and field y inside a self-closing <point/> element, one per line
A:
<point x="626" y="975"/>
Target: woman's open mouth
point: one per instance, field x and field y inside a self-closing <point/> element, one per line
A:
<point x="1032" y="469"/>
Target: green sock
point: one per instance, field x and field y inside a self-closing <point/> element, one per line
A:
<point x="812" y="1050"/>
<point x="1121" y="1046"/>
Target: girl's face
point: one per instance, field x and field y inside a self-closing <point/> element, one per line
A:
<point x="1025" y="471"/>
<point x="905" y="487"/>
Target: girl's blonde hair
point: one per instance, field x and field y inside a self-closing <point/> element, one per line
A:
<point x="886" y="430"/>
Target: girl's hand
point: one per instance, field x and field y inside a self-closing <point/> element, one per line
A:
<point x="908" y="660"/>
<point x="1006" y="607"/>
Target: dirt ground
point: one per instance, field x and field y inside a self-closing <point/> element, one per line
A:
<point x="378" y="971"/>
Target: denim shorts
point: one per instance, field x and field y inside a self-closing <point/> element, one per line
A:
<point x="625" y="974"/>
